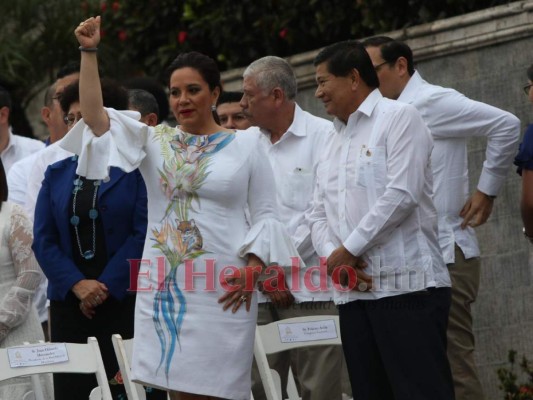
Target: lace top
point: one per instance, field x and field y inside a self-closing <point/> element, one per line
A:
<point x="19" y="272"/>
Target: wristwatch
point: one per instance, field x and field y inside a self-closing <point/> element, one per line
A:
<point x="530" y="238"/>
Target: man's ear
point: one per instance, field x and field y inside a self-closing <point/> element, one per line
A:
<point x="401" y="66"/>
<point x="355" y="78"/>
<point x="45" y="115"/>
<point x="4" y="115"/>
<point x="151" y="119"/>
<point x="278" y="94"/>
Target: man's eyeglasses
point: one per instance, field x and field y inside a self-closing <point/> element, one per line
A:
<point x="527" y="88"/>
<point x="71" y="119"/>
<point x="377" y="67"/>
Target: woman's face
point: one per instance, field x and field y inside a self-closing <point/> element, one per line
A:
<point x="191" y="100"/>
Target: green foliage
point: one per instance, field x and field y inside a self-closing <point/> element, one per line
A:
<point x="36" y="37"/>
<point x="142" y="37"/>
<point x="508" y="379"/>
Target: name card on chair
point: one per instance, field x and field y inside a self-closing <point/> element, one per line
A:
<point x="307" y="331"/>
<point x="41" y="354"/>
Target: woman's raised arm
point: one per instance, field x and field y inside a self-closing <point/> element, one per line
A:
<point x="91" y="103"/>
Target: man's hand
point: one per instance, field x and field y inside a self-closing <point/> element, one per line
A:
<point x="476" y="210"/>
<point x="278" y="292"/>
<point x="342" y="257"/>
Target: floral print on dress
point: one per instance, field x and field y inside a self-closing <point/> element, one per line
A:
<point x="184" y="170"/>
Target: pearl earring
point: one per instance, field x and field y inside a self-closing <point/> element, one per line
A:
<point x="213" y="108"/>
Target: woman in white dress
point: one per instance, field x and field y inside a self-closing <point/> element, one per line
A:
<point x="19" y="278"/>
<point x="194" y="325"/>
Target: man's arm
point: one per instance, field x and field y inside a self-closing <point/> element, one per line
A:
<point x="459" y="116"/>
<point x="408" y="148"/>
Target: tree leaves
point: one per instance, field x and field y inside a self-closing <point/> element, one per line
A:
<point x="143" y="37"/>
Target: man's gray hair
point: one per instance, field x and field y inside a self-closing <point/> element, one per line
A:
<point x="143" y="101"/>
<point x="270" y="72"/>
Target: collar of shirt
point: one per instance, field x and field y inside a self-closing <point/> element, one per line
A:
<point x="11" y="143"/>
<point x="297" y="127"/>
<point x="366" y="108"/>
<point x="410" y="90"/>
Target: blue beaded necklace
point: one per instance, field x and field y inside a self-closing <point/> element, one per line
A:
<point x="93" y="214"/>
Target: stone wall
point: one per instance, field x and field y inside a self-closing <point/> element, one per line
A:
<point x="483" y="55"/>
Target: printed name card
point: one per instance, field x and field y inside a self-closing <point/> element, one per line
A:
<point x="307" y="331"/>
<point x="41" y="354"/>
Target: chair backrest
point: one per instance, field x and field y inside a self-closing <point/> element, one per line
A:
<point x="290" y="334"/>
<point x="123" y="350"/>
<point x="82" y="358"/>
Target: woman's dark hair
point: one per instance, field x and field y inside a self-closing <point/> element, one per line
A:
<point x="114" y="95"/>
<point x="3" y="184"/>
<point x="206" y="67"/>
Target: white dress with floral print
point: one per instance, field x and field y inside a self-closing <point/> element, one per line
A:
<point x="19" y="278"/>
<point x="198" y="190"/>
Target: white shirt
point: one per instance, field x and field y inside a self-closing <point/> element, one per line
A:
<point x="373" y="195"/>
<point x="17" y="179"/>
<point x="294" y="160"/>
<point x="18" y="148"/>
<point x="48" y="156"/>
<point x="452" y="118"/>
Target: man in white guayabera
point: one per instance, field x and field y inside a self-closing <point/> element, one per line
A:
<point x="293" y="140"/>
<point x="452" y="118"/>
<point x="373" y="204"/>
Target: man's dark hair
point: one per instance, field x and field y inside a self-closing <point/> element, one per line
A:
<point x="157" y="90"/>
<point x="530" y="73"/>
<point x="229" y="97"/>
<point x="3" y="184"/>
<point x="5" y="98"/>
<point x="68" y="69"/>
<point x="391" y="50"/>
<point x="343" y="57"/>
<point x="114" y="95"/>
<point x="142" y="101"/>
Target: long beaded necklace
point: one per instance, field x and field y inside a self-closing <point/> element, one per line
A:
<point x="93" y="214"/>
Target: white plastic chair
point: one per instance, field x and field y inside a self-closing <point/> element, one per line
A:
<point x="82" y="358"/>
<point x="123" y="349"/>
<point x="288" y="334"/>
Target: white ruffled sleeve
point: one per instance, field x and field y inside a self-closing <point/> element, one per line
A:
<point x="17" y="302"/>
<point x="267" y="238"/>
<point x="122" y="146"/>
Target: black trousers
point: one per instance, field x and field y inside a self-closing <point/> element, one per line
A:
<point x="68" y="324"/>
<point x="395" y="347"/>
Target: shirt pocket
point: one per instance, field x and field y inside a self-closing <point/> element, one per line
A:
<point x="371" y="170"/>
<point x="297" y="188"/>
